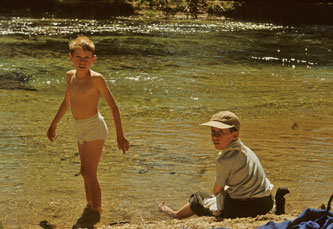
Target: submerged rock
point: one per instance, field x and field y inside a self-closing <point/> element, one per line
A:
<point x="46" y="225"/>
<point x="15" y="80"/>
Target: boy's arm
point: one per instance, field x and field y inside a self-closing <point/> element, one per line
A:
<point x="217" y="189"/>
<point x="51" y="134"/>
<point x="103" y="88"/>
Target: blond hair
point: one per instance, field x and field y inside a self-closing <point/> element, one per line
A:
<point x="82" y="42"/>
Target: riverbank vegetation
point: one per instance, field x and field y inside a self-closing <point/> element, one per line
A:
<point x="293" y="11"/>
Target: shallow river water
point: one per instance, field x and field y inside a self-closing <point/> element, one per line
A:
<point x="167" y="77"/>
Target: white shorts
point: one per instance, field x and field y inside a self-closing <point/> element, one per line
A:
<point x="91" y="129"/>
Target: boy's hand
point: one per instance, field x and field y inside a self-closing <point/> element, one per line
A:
<point x="123" y="144"/>
<point x="51" y="134"/>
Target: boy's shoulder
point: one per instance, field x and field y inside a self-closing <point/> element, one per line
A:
<point x="97" y="78"/>
<point x="70" y="74"/>
<point x="96" y="75"/>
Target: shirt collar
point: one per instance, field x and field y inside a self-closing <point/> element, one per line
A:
<point x="236" y="144"/>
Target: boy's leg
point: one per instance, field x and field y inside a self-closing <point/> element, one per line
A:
<point x="90" y="153"/>
<point x="183" y="212"/>
<point x="246" y="208"/>
<point x="82" y="160"/>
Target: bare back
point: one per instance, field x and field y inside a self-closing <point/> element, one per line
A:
<point x="83" y="94"/>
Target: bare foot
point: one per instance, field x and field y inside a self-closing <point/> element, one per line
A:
<point x="165" y="208"/>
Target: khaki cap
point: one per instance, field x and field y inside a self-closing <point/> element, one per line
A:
<point x="223" y="120"/>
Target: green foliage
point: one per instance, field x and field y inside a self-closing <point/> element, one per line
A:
<point x="151" y="13"/>
<point x="299" y="11"/>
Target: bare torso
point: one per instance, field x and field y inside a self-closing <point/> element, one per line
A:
<point x="83" y="94"/>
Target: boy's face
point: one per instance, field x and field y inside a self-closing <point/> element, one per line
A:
<point x="222" y="137"/>
<point x="82" y="59"/>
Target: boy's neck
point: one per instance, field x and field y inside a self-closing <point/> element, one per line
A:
<point x="82" y="75"/>
<point x="231" y="145"/>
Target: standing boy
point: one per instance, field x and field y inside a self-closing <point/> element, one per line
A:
<point x="83" y="89"/>
<point x="241" y="188"/>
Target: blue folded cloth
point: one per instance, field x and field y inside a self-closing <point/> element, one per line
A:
<point x="309" y="219"/>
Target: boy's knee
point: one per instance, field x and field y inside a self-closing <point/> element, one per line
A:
<point x="88" y="174"/>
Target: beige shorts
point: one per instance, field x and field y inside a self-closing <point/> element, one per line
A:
<point x="91" y="129"/>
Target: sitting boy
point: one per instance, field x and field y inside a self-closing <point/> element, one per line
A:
<point x="241" y="188"/>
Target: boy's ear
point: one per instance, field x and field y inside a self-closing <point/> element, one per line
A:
<point x="94" y="58"/>
<point x="70" y="56"/>
<point x="235" y="135"/>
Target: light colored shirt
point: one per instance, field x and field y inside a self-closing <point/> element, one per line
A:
<point x="239" y="172"/>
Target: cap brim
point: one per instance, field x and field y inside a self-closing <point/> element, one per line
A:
<point x="216" y="124"/>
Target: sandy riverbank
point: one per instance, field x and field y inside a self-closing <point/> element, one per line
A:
<point x="208" y="222"/>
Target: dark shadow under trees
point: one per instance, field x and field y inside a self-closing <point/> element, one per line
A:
<point x="276" y="11"/>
